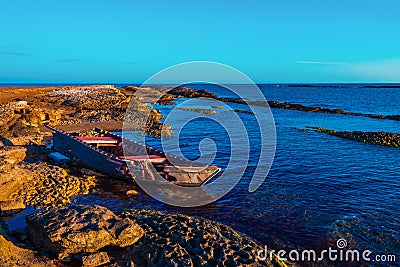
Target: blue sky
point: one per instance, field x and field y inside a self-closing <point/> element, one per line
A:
<point x="47" y="41"/>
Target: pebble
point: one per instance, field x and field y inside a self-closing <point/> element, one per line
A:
<point x="131" y="192"/>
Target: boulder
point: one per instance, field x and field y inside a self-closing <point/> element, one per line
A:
<point x="9" y="207"/>
<point x="81" y="228"/>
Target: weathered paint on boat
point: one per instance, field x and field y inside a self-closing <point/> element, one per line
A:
<point x="139" y="158"/>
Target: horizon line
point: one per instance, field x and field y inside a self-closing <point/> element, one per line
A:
<point x="136" y="83"/>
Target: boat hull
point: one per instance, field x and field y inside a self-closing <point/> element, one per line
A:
<point x="130" y="167"/>
<point x="94" y="158"/>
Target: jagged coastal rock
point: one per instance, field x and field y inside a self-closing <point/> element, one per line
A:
<point x="78" y="235"/>
<point x="9" y="207"/>
<point x="72" y="107"/>
<point x="144" y="238"/>
<point x="95" y="259"/>
<point x="375" y="138"/>
<point x="53" y="186"/>
<point x="12" y="179"/>
<point x="180" y="240"/>
<point x="200" y="110"/>
<point x="28" y="178"/>
<point x="80" y="228"/>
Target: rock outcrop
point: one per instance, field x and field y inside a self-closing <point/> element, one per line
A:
<point x="375" y="138"/>
<point x="90" y="235"/>
<point x="38" y="116"/>
<point x="12" y="179"/>
<point x="80" y="228"/>
<point x="9" y="207"/>
<point x="52" y="186"/>
<point x="179" y="240"/>
<point x="28" y="178"/>
<point x="12" y="255"/>
<point x="95" y="259"/>
<point x="200" y="110"/>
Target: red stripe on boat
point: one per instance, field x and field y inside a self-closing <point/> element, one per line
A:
<point x="103" y="139"/>
<point x="141" y="157"/>
<point x="150" y="158"/>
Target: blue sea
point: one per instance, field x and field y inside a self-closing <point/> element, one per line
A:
<point x="320" y="188"/>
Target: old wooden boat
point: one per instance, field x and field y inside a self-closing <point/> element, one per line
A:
<point x="116" y="156"/>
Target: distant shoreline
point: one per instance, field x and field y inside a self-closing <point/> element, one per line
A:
<point x="294" y="84"/>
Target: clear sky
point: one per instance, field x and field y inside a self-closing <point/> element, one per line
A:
<point x="47" y="41"/>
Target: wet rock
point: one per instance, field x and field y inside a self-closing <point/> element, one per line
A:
<point x="20" y="234"/>
<point x="300" y="107"/>
<point x="243" y="111"/>
<point x="96" y="259"/>
<point x="10" y="207"/>
<point x="182" y="91"/>
<point x="80" y="228"/>
<point x="375" y="138"/>
<point x="200" y="110"/>
<point x="4" y="228"/>
<point x="179" y="240"/>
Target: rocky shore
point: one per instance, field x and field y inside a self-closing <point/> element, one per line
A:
<point x="375" y="138"/>
<point x="180" y="92"/>
<point x="94" y="235"/>
<point x="300" y="107"/>
<point x="200" y="110"/>
<point x="81" y="235"/>
<point x="64" y="234"/>
<point x="71" y="107"/>
<point x="29" y="178"/>
<point x="187" y="241"/>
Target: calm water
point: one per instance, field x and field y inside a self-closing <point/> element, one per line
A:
<point x="320" y="187"/>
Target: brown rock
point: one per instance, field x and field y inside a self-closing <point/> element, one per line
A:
<point x="131" y="192"/>
<point x="9" y="207"/>
<point x="179" y="240"/>
<point x="12" y="255"/>
<point x="80" y="228"/>
<point x="96" y="259"/>
<point x="12" y="154"/>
